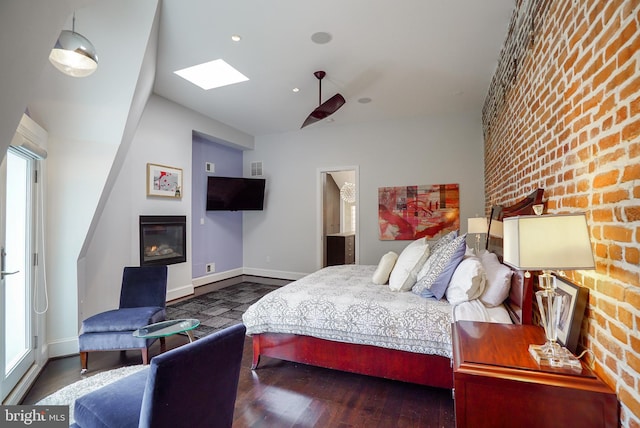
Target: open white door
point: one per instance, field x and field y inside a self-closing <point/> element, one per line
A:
<point x="16" y="260"/>
<point x="19" y="318"/>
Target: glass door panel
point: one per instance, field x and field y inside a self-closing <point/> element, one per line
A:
<point x="17" y="268"/>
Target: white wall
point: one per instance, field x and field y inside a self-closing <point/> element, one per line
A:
<point x="28" y="30"/>
<point x="143" y="90"/>
<point x="76" y="172"/>
<point x="434" y="150"/>
<point x="86" y="120"/>
<point x="164" y="136"/>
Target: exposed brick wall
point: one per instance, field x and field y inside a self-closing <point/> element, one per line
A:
<point x="563" y="113"/>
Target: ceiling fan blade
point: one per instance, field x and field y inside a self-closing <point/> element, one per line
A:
<point x="325" y="110"/>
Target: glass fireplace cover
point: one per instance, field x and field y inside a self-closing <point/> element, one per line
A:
<point x="162" y="240"/>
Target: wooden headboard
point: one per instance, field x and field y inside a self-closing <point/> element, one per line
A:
<point x="519" y="304"/>
<point x="498" y="212"/>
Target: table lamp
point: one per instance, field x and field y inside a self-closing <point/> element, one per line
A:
<point x="477" y="225"/>
<point x="545" y="243"/>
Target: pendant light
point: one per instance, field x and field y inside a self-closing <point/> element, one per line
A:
<point x="348" y="192"/>
<point x="73" y="54"/>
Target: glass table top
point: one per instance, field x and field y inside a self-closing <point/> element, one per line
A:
<point x="166" y="328"/>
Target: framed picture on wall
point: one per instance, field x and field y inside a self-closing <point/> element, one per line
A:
<point x="164" y="181"/>
<point x="574" y="302"/>
<point x="412" y="212"/>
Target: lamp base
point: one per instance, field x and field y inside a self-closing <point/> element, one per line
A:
<point x="554" y="356"/>
<point x="477" y="246"/>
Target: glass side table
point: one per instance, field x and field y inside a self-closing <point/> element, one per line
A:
<point x="167" y="328"/>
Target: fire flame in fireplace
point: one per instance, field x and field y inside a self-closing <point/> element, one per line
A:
<point x="158" y="250"/>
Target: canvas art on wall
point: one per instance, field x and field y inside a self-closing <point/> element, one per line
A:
<point x="412" y="212"/>
<point x="164" y="181"/>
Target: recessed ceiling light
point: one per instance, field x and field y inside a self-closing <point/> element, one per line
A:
<point x="212" y="74"/>
<point x="236" y="38"/>
<point x="321" y="37"/>
<point x="296" y="89"/>
<point x="364" y="100"/>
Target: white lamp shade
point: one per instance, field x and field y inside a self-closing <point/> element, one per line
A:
<point x="548" y="242"/>
<point x="477" y="225"/>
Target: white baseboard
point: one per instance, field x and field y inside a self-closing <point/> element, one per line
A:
<point x="22" y="388"/>
<point x="225" y="279"/>
<point x="269" y="273"/>
<point x="176" y="293"/>
<point x="214" y="277"/>
<point x="63" y="347"/>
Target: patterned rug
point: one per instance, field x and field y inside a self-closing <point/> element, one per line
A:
<point x="219" y="309"/>
<point x="69" y="393"/>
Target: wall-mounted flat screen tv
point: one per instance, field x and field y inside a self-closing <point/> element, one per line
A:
<point x="235" y="194"/>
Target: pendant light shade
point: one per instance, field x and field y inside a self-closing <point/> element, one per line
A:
<point x="73" y="54"/>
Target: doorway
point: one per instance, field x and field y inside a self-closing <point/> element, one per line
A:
<point x="22" y="260"/>
<point x="338" y="216"/>
<point x="16" y="280"/>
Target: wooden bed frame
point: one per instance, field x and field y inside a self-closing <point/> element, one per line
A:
<point x="423" y="369"/>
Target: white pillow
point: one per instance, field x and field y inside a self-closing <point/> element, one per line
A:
<point x="467" y="282"/>
<point x="470" y="252"/>
<point x="381" y="275"/>
<point x="498" y="280"/>
<point x="411" y="259"/>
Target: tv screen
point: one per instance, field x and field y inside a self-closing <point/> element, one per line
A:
<point x="235" y="194"/>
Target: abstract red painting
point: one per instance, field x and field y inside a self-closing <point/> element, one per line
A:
<point x="412" y="212"/>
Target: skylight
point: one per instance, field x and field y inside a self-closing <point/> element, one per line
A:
<point x="212" y="74"/>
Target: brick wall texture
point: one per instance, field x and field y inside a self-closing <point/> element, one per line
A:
<point x="563" y="114"/>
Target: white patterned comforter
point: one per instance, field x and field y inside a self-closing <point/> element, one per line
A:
<point x="341" y="303"/>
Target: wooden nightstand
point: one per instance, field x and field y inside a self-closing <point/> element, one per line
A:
<point x="498" y="384"/>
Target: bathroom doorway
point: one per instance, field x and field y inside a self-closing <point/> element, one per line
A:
<point x="338" y="214"/>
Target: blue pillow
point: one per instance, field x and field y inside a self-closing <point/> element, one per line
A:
<point x="439" y="268"/>
<point x="427" y="294"/>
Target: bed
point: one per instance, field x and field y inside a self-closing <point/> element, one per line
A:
<point x="337" y="318"/>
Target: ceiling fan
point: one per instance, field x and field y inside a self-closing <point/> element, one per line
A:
<point x="324" y="109"/>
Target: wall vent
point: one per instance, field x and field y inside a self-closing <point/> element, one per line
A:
<point x="256" y="169"/>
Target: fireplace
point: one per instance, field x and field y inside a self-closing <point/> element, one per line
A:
<point x="163" y="239"/>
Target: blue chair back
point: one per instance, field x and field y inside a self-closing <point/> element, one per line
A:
<point x="195" y="384"/>
<point x="143" y="286"/>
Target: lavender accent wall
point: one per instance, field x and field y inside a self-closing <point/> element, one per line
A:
<point x="219" y="239"/>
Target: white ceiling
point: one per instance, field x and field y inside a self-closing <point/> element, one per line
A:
<point x="411" y="57"/>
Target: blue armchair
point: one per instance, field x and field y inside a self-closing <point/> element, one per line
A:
<point x="143" y="299"/>
<point x="194" y="385"/>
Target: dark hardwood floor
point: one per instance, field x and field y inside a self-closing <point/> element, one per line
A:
<point x="283" y="394"/>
